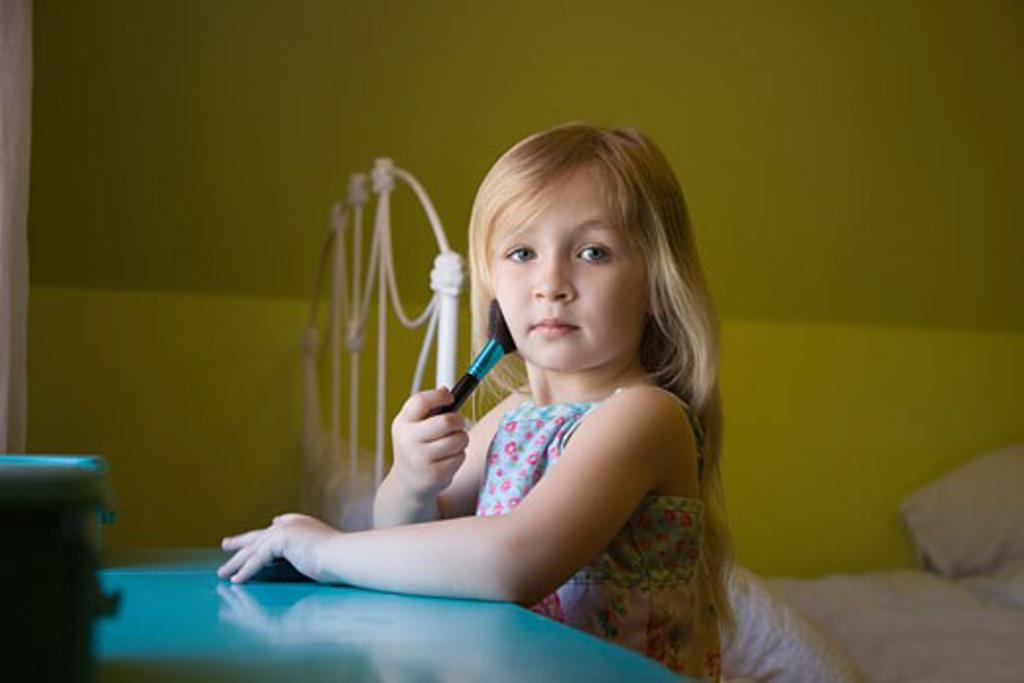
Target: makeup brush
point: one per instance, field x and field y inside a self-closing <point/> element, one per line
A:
<point x="499" y="344"/>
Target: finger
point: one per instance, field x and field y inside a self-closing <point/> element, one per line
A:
<point x="445" y="403"/>
<point x="236" y="542"/>
<point x="445" y="447"/>
<point x="251" y="565"/>
<point x="256" y="561"/>
<point x="225" y="570"/>
<point x="421" y="403"/>
<point x="237" y="560"/>
<point x="439" y="425"/>
<point x="450" y="465"/>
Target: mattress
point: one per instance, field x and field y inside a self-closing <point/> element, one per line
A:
<point x="913" y="626"/>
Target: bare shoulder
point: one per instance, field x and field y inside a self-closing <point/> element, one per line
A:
<point x="650" y="427"/>
<point x="646" y="409"/>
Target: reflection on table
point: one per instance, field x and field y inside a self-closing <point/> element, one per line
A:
<point x="179" y="622"/>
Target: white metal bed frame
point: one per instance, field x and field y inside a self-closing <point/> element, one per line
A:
<point x="339" y="494"/>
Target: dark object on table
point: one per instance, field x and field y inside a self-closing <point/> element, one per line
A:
<point x="280" y="570"/>
<point x="51" y="509"/>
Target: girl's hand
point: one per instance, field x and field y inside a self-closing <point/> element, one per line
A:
<point x="295" y="537"/>
<point x="428" y="450"/>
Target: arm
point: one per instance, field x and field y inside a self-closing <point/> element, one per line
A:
<point x="394" y="505"/>
<point x="427" y="452"/>
<point x="610" y="464"/>
<point x="628" y="448"/>
<point x="399" y="500"/>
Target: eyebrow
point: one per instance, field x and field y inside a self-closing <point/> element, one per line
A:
<point x="596" y="223"/>
<point x="590" y="224"/>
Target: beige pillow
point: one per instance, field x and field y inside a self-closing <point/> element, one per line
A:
<point x="971" y="520"/>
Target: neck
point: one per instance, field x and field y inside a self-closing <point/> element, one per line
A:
<point x="548" y="386"/>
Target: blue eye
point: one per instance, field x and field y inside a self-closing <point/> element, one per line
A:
<point x="598" y="254"/>
<point x="591" y="254"/>
<point x="519" y="254"/>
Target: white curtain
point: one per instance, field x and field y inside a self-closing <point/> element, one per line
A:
<point x="15" y="137"/>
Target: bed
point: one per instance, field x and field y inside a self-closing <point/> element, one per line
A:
<point x="958" y="617"/>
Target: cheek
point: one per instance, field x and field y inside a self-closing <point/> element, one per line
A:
<point x="630" y="303"/>
<point x="501" y="275"/>
<point x="508" y="283"/>
<point x="507" y="299"/>
<point x="499" y="290"/>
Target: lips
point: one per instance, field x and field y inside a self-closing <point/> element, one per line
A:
<point x="552" y="324"/>
<point x="552" y="328"/>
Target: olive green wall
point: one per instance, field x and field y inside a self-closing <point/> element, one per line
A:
<point x="854" y="172"/>
<point x="196" y="402"/>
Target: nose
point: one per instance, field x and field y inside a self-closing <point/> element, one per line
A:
<point x="554" y="282"/>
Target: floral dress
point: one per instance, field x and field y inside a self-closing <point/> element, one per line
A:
<point x="647" y="590"/>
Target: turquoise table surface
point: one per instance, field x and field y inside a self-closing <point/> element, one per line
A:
<point x="178" y="622"/>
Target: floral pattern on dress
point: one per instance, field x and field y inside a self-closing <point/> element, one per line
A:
<point x="647" y="589"/>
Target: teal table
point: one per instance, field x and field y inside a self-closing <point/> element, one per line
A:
<point x="178" y="622"/>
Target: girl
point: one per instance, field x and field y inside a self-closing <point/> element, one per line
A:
<point x="591" y="491"/>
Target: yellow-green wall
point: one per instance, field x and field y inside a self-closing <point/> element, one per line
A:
<point x="853" y="171"/>
<point x="196" y="402"/>
<point x="829" y="427"/>
<point x="843" y="161"/>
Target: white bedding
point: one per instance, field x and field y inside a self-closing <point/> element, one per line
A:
<point x="913" y="626"/>
<point x="773" y="643"/>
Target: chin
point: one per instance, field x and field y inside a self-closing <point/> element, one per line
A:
<point x="558" y="360"/>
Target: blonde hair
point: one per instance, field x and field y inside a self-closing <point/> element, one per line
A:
<point x="679" y="350"/>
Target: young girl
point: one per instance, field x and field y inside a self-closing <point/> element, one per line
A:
<point x="591" y="492"/>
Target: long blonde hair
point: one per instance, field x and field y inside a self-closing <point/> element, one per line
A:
<point x="679" y="350"/>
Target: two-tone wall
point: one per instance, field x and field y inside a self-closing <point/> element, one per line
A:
<point x="854" y="173"/>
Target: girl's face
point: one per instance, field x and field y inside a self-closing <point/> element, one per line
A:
<point x="572" y="289"/>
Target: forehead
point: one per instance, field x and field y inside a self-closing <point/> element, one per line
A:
<point x="590" y="228"/>
<point x="578" y="203"/>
